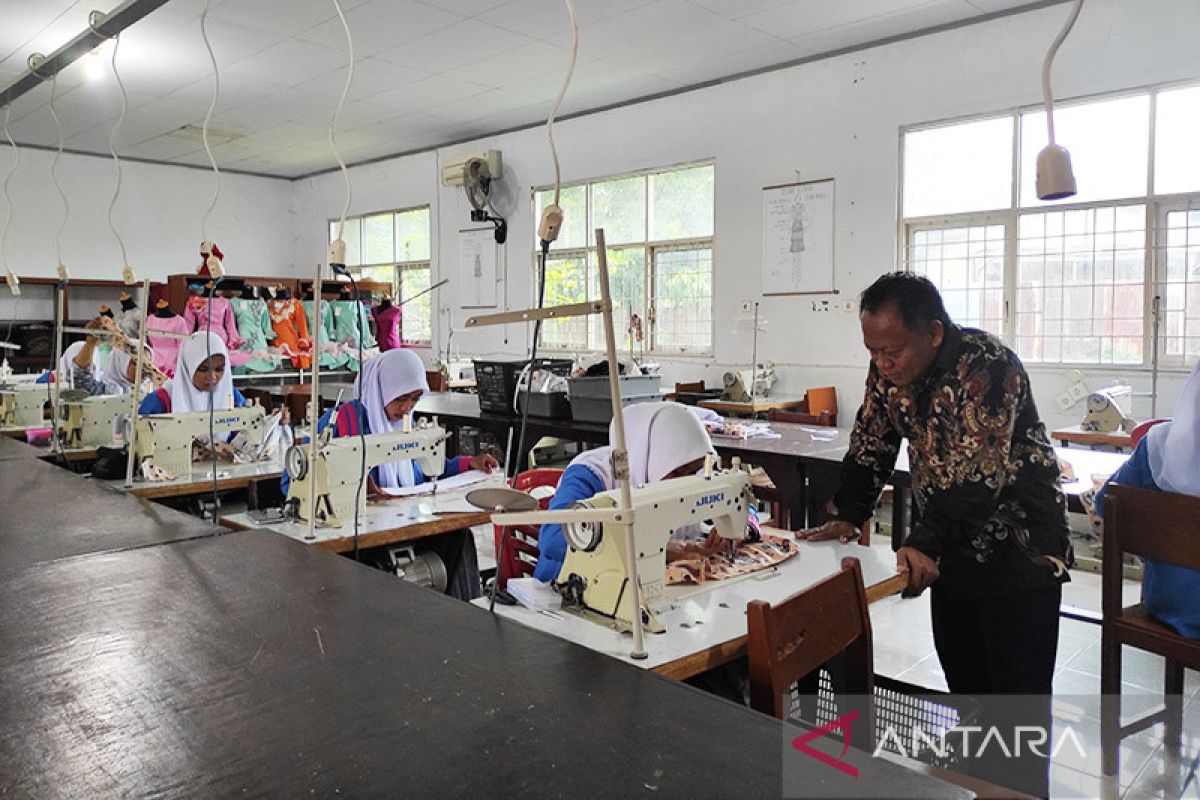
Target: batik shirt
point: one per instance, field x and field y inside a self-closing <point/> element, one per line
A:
<point x="989" y="505"/>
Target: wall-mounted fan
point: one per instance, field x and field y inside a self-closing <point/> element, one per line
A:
<point x="476" y="174"/>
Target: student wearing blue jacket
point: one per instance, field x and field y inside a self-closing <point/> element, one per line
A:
<point x="1168" y="459"/>
<point x="665" y="440"/>
<point x="202" y="380"/>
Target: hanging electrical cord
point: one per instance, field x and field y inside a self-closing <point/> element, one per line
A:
<point x="548" y="229"/>
<point x="337" y="263"/>
<point x="210" y="259"/>
<point x="212" y="105"/>
<point x="127" y="272"/>
<point x="14" y="283"/>
<point x="62" y="226"/>
<point x="1055" y="177"/>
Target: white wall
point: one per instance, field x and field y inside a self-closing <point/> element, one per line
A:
<point x="158" y="213"/>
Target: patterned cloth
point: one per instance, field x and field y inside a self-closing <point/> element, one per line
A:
<point x="291" y="331"/>
<point x="985" y="479"/>
<point x="749" y="557"/>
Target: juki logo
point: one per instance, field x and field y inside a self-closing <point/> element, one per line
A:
<point x="227" y="420"/>
<point x="402" y="446"/>
<point x="709" y="499"/>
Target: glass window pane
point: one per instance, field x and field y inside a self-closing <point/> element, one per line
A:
<point x="957" y="168"/>
<point x="627" y="283"/>
<point x="573" y="201"/>
<point x="1176" y="157"/>
<point x="1109" y="142"/>
<point x="566" y="282"/>
<point x="619" y="207"/>
<point x="1181" y="295"/>
<point x="416" y="323"/>
<point x="968" y="268"/>
<point x="377" y="245"/>
<point x="681" y="203"/>
<point x="350" y="235"/>
<point x="412" y="235"/>
<point x="683" y="300"/>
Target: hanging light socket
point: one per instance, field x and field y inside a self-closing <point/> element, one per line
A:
<point x="64" y="274"/>
<point x="1055" y="178"/>
<point x="128" y="276"/>
<point x="337" y="254"/>
<point x="14" y="283"/>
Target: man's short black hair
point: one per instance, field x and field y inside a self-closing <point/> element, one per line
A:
<point x="915" y="296"/>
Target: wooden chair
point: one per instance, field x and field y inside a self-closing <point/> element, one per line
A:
<point x="520" y="541"/>
<point x="822" y="399"/>
<point x="684" y="388"/>
<point x="437" y="381"/>
<point x="1141" y="429"/>
<point x="825" y="419"/>
<point x="789" y="641"/>
<point x="1163" y="527"/>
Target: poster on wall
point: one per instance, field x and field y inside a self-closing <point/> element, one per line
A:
<point x="477" y="268"/>
<point x="798" y="238"/>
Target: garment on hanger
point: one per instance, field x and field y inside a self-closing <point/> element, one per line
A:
<point x="166" y="349"/>
<point x="291" y="331"/>
<point x="332" y="355"/>
<point x="387" y="325"/>
<point x="223" y="325"/>
<point x="347" y="314"/>
<point x="254" y="326"/>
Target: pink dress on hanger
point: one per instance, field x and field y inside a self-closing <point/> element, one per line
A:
<point x="166" y="349"/>
<point x="387" y="326"/>
<point x="223" y="324"/>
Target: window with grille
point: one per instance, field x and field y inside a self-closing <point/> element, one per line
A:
<point x="393" y="247"/>
<point x="1078" y="281"/>
<point x="658" y="227"/>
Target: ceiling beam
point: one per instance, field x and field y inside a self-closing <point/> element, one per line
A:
<point x="112" y="24"/>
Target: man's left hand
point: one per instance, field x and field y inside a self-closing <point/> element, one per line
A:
<point x="484" y="462"/>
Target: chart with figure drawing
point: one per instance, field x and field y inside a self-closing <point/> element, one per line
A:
<point x="798" y="238"/>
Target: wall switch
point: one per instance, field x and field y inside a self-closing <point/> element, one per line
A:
<point x="820" y="305"/>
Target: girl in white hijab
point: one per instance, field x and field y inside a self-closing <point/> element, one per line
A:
<point x="1168" y="458"/>
<point x="120" y="372"/>
<point x="664" y="440"/>
<point x="202" y="380"/>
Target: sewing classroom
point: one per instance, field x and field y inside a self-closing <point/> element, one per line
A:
<point x="551" y="398"/>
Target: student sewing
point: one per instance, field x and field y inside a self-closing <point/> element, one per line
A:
<point x="77" y="367"/>
<point x="1168" y="458"/>
<point x="389" y="386"/>
<point x="665" y="440"/>
<point x="202" y="380"/>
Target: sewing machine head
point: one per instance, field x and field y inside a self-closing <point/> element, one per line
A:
<point x="166" y="439"/>
<point x="88" y="422"/>
<point x="339" y="462"/>
<point x="741" y="385"/>
<point x="595" y="574"/>
<point x="1108" y="410"/>
<point x="21" y="405"/>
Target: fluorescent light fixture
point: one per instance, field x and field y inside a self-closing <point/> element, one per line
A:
<point x="1055" y="178"/>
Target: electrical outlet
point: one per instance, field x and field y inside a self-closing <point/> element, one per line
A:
<point x="747" y="306"/>
<point x="1077" y="391"/>
<point x="848" y="305"/>
<point x="1065" y="401"/>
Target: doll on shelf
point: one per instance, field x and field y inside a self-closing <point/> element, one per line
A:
<point x="205" y="252"/>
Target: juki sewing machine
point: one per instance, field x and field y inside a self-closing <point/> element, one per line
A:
<point x="88" y="422"/>
<point x="742" y="385"/>
<point x="339" y="464"/>
<point x="21" y="406"/>
<point x="595" y="575"/>
<point x="166" y="439"/>
<point x="1108" y="410"/>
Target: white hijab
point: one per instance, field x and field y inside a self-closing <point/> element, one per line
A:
<point x="184" y="394"/>
<point x="66" y="366"/>
<point x="661" y="438"/>
<point x="114" y="377"/>
<point x="384" y="378"/>
<point x="1173" y="447"/>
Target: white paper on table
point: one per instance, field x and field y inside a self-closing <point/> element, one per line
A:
<point x="459" y="481"/>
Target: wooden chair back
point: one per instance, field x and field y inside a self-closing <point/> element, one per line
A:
<point x="437" y="381"/>
<point x="823" y="419"/>
<point x="788" y="641"/>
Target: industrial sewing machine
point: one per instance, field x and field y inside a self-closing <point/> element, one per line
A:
<point x="745" y="384"/>
<point x="166" y="439"/>
<point x="21" y="405"/>
<point x="1109" y="410"/>
<point x="88" y="422"/>
<point x="339" y="464"/>
<point x="595" y="575"/>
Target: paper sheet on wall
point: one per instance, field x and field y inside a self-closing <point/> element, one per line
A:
<point x="453" y="483"/>
<point x="477" y="268"/>
<point x="798" y="238"/>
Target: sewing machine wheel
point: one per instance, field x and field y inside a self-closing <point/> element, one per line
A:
<point x="296" y="462"/>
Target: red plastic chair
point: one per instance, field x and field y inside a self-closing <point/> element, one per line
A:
<point x="1139" y="431"/>
<point x="520" y="541"/>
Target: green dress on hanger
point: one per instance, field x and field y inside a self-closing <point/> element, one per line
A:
<point x="327" y="360"/>
<point x="345" y="328"/>
<point x="254" y="326"/>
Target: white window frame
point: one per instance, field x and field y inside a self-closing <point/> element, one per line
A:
<point x="650" y="246"/>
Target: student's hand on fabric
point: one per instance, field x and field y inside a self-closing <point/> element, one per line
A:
<point x="922" y="570"/>
<point x="484" y="462"/>
<point x="833" y="529"/>
<point x="94" y="324"/>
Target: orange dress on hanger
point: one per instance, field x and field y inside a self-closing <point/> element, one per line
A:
<point x="291" y="331"/>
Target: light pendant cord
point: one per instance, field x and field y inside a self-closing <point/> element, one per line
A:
<point x="562" y="91"/>
<point x="8" y="215"/>
<point x="112" y="148"/>
<point x="212" y="105"/>
<point x="1047" y="94"/>
<point x="337" y="111"/>
<point x="62" y="226"/>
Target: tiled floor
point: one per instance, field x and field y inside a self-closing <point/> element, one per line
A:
<point x="904" y="650"/>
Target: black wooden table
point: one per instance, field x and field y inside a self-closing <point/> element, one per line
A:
<point x="16" y="450"/>
<point x="251" y="665"/>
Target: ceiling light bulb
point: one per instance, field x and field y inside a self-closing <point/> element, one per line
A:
<point x="93" y="66"/>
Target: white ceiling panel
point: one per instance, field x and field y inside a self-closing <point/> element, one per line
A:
<point x="427" y="71"/>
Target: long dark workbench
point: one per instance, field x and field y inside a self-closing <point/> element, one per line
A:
<point x="15" y="450"/>
<point x="48" y="513"/>
<point x="249" y="664"/>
